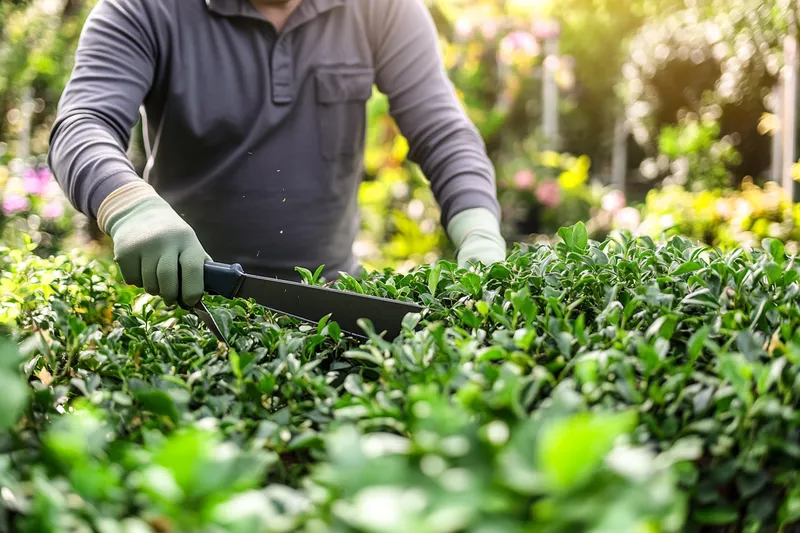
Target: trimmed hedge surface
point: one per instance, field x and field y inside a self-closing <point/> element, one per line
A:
<point x="623" y="386"/>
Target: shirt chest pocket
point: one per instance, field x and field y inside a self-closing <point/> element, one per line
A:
<point x="342" y="95"/>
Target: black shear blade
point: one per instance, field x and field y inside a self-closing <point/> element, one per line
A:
<point x="202" y="312"/>
<point x="311" y="303"/>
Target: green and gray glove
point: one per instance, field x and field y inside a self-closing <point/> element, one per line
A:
<point x="154" y="247"/>
<point x="476" y="235"/>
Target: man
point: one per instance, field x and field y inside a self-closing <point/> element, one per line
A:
<point x="254" y="119"/>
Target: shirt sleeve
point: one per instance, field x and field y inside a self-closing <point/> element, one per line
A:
<point x="442" y="139"/>
<point x="115" y="65"/>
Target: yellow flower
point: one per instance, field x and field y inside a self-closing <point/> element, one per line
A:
<point x="577" y="175"/>
<point x="392" y="174"/>
<point x="796" y="171"/>
<point x="373" y="192"/>
<point x="399" y="149"/>
<point x="373" y="160"/>
<point x="767" y="124"/>
<point x="550" y="159"/>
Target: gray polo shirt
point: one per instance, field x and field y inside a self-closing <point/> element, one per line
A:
<point x="257" y="137"/>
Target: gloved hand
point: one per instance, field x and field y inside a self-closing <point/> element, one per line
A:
<point x="152" y="244"/>
<point x="476" y="235"/>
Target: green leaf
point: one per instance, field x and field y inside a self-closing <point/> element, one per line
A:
<point x="472" y="282"/>
<point x="223" y="317"/>
<point x="524" y="304"/>
<point x="663" y="326"/>
<point x="13" y="399"/>
<point x="739" y="373"/>
<point x="685" y="268"/>
<point x="306" y="274"/>
<point x="716" y="516"/>
<point x="572" y="449"/>
<point x="580" y="237"/>
<point x="322" y="323"/>
<point x="695" y="345"/>
<point x="469" y="319"/>
<point x="14" y="396"/>
<point x="774" y="272"/>
<point x="566" y="234"/>
<point x="789" y="512"/>
<point x="649" y="357"/>
<point x="775" y="248"/>
<point x="433" y="278"/>
<point x="580" y="330"/>
<point x="334" y="331"/>
<point x="493" y="353"/>
<point x="158" y="402"/>
<point x="233" y="357"/>
<point x="317" y="274"/>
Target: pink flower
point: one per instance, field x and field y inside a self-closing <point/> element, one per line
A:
<point x="546" y="29"/>
<point x="489" y="30"/>
<point x="35" y="181"/>
<point x="613" y="201"/>
<point x="15" y="203"/>
<point x="549" y="193"/>
<point x="52" y="190"/>
<point x="54" y="209"/>
<point x="518" y="42"/>
<point x="524" y="179"/>
<point x="628" y="219"/>
<point x="552" y="63"/>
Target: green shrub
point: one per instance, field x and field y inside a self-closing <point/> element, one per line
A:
<point x="612" y="387"/>
<point x="724" y="218"/>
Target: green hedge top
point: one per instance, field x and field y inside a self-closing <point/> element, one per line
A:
<point x="623" y="386"/>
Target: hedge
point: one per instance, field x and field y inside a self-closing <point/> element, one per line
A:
<point x="623" y="386"/>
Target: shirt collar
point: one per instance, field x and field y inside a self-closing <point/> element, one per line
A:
<point x="245" y="8"/>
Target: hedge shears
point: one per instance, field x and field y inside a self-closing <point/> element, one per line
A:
<point x="308" y="303"/>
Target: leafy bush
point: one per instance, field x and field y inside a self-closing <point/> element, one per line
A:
<point x="717" y="61"/>
<point x="541" y="192"/>
<point x="691" y="154"/>
<point x="33" y="209"/>
<point x="492" y="51"/>
<point x="724" y="218"/>
<point x="607" y="387"/>
<point x="400" y="225"/>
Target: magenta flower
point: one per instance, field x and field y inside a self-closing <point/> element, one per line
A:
<point x="15" y="203"/>
<point x="35" y="181"/>
<point x="524" y="179"/>
<point x="549" y="193"/>
<point x="51" y="210"/>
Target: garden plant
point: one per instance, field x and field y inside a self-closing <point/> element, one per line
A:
<point x="622" y="386"/>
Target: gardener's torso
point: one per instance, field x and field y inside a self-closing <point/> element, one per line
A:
<point x="258" y="136"/>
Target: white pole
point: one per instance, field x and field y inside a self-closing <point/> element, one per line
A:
<point x="777" y="137"/>
<point x="619" y="157"/>
<point x="550" y="93"/>
<point x="25" y="133"/>
<point x="790" y="113"/>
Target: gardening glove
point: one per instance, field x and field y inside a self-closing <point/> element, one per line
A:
<point x="476" y="235"/>
<point x="154" y="247"/>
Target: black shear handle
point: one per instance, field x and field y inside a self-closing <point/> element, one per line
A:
<point x="223" y="279"/>
<point x="219" y="279"/>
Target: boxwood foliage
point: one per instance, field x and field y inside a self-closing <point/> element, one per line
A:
<point x="623" y="386"/>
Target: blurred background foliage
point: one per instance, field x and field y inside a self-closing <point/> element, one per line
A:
<point x="691" y="80"/>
